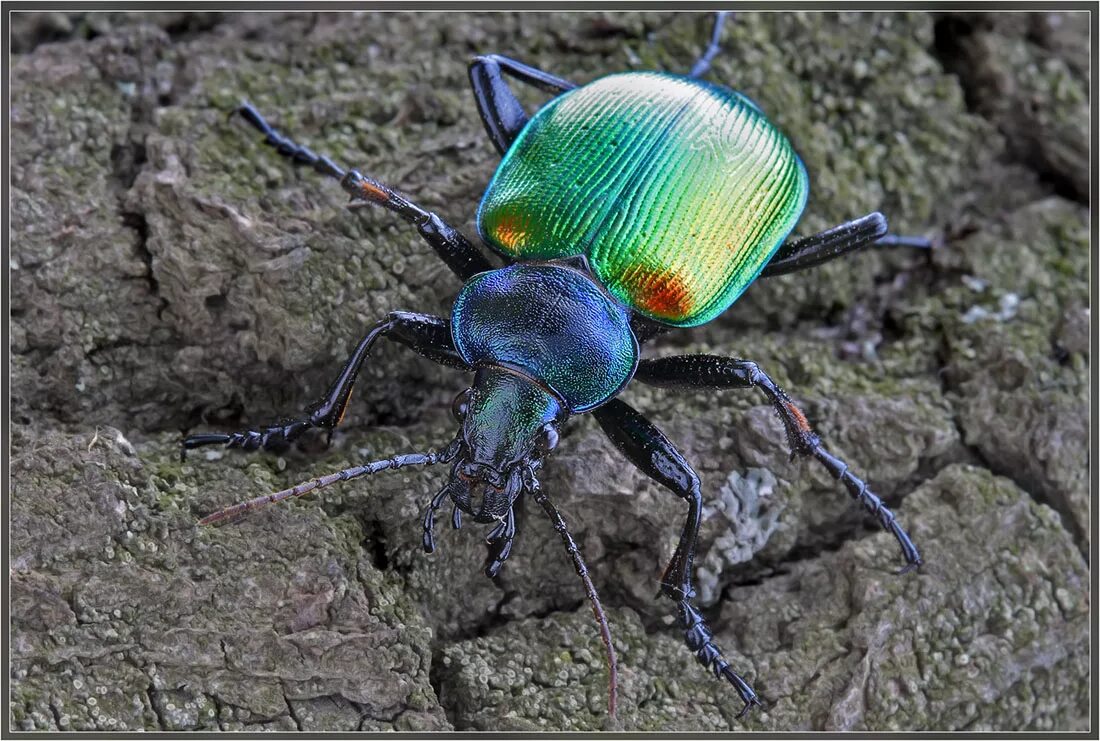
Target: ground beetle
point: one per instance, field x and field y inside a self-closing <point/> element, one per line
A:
<point x="636" y="203"/>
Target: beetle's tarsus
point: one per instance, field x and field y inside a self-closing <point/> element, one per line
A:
<point x="287" y="147"/>
<point x="751" y="702"/>
<point x="276" y="437"/>
<point x="871" y="503"/>
<point x="700" y="640"/>
<point x="898" y="240"/>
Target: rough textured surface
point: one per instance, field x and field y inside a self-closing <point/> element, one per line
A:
<point x="838" y="642"/>
<point x="170" y="273"/>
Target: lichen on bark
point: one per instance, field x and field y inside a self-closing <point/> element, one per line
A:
<point x="169" y="273"/>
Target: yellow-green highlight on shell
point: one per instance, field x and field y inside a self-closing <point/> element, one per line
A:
<point x="678" y="191"/>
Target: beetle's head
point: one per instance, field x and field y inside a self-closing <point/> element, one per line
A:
<point x="509" y="423"/>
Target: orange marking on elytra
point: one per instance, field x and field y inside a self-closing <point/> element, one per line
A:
<point x="509" y="231"/>
<point x="667" y="298"/>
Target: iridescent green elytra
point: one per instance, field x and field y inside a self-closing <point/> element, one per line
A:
<point x="678" y="191"/>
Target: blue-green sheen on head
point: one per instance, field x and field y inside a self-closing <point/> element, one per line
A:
<point x="508" y="423"/>
<point x="504" y="413"/>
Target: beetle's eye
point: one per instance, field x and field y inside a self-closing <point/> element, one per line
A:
<point x="547" y="439"/>
<point x="461" y="405"/>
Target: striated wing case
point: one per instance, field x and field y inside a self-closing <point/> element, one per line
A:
<point x="677" y="191"/>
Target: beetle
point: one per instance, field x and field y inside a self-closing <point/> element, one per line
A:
<point x="623" y="208"/>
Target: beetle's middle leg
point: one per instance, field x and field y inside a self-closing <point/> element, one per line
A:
<point x="830" y="244"/>
<point x="428" y="335"/>
<point x="449" y="243"/>
<point x="712" y="371"/>
<point x="648" y="449"/>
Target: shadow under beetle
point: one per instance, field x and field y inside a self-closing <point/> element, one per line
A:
<point x="636" y="203"/>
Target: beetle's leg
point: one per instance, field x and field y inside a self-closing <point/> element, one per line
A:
<point x="647" y="448"/>
<point x="428" y="335"/>
<point x="702" y="65"/>
<point x="500" y="110"/>
<point x="818" y="248"/>
<point x="711" y="371"/>
<point x="589" y="588"/>
<point x="450" y="244"/>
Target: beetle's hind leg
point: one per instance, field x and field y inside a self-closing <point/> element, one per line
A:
<point x="711" y="371"/>
<point x="428" y="335"/>
<point x="702" y="64"/>
<point x="500" y="110"/>
<point x="449" y="243"/>
<point x="648" y="449"/>
<point x="830" y="244"/>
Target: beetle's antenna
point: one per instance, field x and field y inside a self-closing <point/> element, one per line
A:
<point x="589" y="588"/>
<point x="240" y="509"/>
<point x="703" y="64"/>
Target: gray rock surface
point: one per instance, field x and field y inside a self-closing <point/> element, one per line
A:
<point x="169" y="273"/>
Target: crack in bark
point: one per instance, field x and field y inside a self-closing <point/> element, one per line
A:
<point x="56" y="715"/>
<point x="150" y="694"/>
<point x="290" y="709"/>
<point x="955" y="38"/>
<point x="496" y="620"/>
<point x="1034" y="490"/>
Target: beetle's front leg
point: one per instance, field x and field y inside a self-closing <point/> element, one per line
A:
<point x="449" y="243"/>
<point x="428" y="335"/>
<point x="648" y="449"/>
<point x="711" y="371"/>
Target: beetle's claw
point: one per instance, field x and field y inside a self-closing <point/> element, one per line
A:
<point x="748" y="695"/>
<point x="911" y="566"/>
<point x="753" y="701"/>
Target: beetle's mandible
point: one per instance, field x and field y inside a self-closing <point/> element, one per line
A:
<point x="639" y="202"/>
